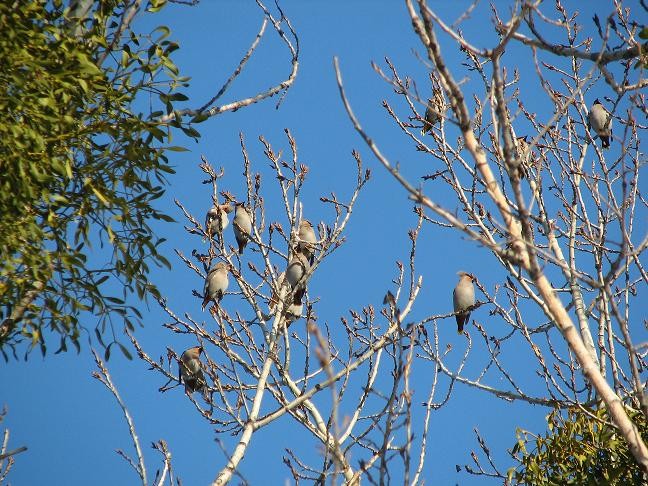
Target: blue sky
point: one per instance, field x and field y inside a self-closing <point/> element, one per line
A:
<point x="72" y="425"/>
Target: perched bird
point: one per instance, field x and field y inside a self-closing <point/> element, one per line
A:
<point x="298" y="266"/>
<point x="217" y="220"/>
<point x="293" y="311"/>
<point x="601" y="121"/>
<point x="190" y="370"/>
<point x="216" y="283"/>
<point x="434" y="111"/>
<point x="463" y="297"/>
<point x="518" y="226"/>
<point x="307" y="240"/>
<point x="242" y="226"/>
<point x="515" y="242"/>
<point x="523" y="157"/>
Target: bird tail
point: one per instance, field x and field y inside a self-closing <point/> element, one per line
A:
<point x="461" y="321"/>
<point x="299" y="294"/>
<point x="241" y="247"/>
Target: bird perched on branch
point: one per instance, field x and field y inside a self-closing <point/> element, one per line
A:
<point x="307" y="240"/>
<point x="434" y="111"/>
<point x="242" y="226"/>
<point x="216" y="283"/>
<point x="291" y="312"/>
<point x="217" y="219"/>
<point x="523" y="156"/>
<point x="463" y="298"/>
<point x="298" y="266"/>
<point x="600" y="120"/>
<point x="190" y="370"/>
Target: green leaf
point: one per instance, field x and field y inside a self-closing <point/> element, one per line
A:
<point x="125" y="351"/>
<point x="178" y="97"/>
<point x="200" y="117"/>
<point x="99" y="195"/>
<point x="191" y="132"/>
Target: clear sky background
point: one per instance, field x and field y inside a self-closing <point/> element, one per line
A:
<point x="70" y="422"/>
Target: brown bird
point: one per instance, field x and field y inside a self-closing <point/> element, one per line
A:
<point x="216" y="283"/>
<point x="523" y="157"/>
<point x="463" y="297"/>
<point x="307" y="240"/>
<point x="190" y="370"/>
<point x="600" y="120"/>
<point x="298" y="266"/>
<point x="242" y="226"/>
<point x="293" y="311"/>
<point x="217" y="220"/>
<point x="434" y="111"/>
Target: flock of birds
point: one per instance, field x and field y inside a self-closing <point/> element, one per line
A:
<point x="598" y="118"/>
<point x="302" y="257"/>
<point x="299" y="263"/>
<point x="217" y="281"/>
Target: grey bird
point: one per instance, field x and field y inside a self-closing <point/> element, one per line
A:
<point x="242" y="226"/>
<point x="293" y="311"/>
<point x="434" y="111"/>
<point x="600" y="120"/>
<point x="298" y="266"/>
<point x="307" y="240"/>
<point x="190" y="370"/>
<point x="463" y="297"/>
<point x="216" y="283"/>
<point x="217" y="219"/>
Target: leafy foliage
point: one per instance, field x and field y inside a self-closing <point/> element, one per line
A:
<point x="643" y="57"/>
<point x="81" y="168"/>
<point x="579" y="448"/>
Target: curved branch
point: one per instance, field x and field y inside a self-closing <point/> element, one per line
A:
<point x="206" y="112"/>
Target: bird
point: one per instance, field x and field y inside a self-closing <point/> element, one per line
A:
<point x="216" y="283"/>
<point x="523" y="157"/>
<point x="434" y="111"/>
<point x="298" y="266"/>
<point x="601" y="121"/>
<point x="242" y="226"/>
<point x="518" y="226"/>
<point x="190" y="370"/>
<point x="307" y="240"/>
<point x="463" y="297"/>
<point x="217" y="220"/>
<point x="293" y="311"/>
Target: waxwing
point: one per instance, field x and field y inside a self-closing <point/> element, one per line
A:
<point x="191" y="373"/>
<point x="463" y="297"/>
<point x="307" y="240"/>
<point x="601" y="121"/>
<point x="298" y="266"/>
<point x="434" y="111"/>
<point x="523" y="156"/>
<point x="293" y="311"/>
<point x="242" y="226"/>
<point x="216" y="283"/>
<point x="217" y="219"/>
